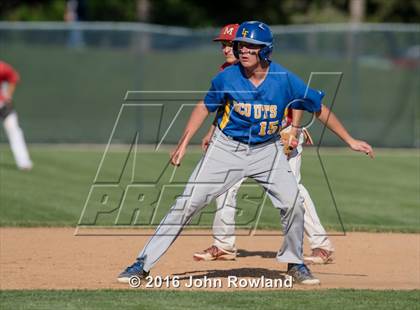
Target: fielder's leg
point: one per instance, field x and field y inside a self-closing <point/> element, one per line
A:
<point x="223" y="247"/>
<point x="317" y="236"/>
<point x="17" y="142"/>
<point x="316" y="233"/>
<point x="224" y="219"/>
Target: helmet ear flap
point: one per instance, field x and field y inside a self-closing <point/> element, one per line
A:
<point x="265" y="52"/>
<point x="236" y="49"/>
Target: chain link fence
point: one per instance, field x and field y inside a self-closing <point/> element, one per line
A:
<point x="75" y="77"/>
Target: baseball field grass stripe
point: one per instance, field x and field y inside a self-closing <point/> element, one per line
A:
<point x="140" y="299"/>
<point x="378" y="195"/>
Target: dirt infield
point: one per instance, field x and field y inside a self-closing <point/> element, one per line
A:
<point x="53" y="258"/>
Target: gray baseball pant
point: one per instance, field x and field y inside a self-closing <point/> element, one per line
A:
<point x="224" y="164"/>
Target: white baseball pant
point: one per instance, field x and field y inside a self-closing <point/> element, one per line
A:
<point x="17" y="141"/>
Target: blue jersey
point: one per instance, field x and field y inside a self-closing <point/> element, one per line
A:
<point x="252" y="114"/>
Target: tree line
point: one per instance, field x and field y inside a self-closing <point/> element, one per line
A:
<point x="192" y="13"/>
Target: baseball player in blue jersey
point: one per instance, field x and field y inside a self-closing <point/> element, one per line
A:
<point x="223" y="247"/>
<point x="254" y="94"/>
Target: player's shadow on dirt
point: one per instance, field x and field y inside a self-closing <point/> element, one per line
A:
<point x="238" y="272"/>
<point x="262" y="254"/>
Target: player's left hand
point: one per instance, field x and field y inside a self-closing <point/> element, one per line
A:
<point x="289" y="140"/>
<point x="177" y="155"/>
<point x="362" y="146"/>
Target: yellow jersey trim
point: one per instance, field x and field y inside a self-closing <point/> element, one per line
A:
<point x="226" y="116"/>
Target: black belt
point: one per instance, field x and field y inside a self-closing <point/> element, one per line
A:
<point x="5" y="111"/>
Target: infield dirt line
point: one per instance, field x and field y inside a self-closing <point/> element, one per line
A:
<point x="53" y="258"/>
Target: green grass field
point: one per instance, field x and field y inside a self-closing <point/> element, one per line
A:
<point x="371" y="195"/>
<point x="132" y="299"/>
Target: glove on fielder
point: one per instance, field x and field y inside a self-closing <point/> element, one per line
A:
<point x="290" y="142"/>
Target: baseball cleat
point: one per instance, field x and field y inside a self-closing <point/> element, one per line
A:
<point x="135" y="270"/>
<point x="302" y="275"/>
<point x="27" y="167"/>
<point x="319" y="257"/>
<point x="215" y="253"/>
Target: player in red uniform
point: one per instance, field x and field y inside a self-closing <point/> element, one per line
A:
<point x="8" y="80"/>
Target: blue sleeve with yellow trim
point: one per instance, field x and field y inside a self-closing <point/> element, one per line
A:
<point x="215" y="96"/>
<point x="304" y="97"/>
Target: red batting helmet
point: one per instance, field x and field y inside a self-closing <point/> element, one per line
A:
<point x="227" y="33"/>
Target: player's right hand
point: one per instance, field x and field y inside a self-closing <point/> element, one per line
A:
<point x="177" y="155"/>
<point x="205" y="142"/>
